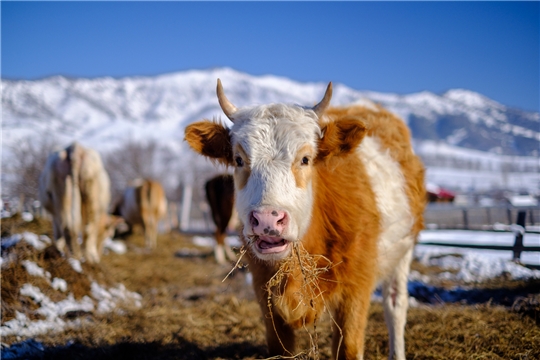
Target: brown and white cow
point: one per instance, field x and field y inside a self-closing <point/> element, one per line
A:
<point x="144" y="203"/>
<point x="344" y="183"/>
<point x="75" y="188"/>
<point x="220" y="195"/>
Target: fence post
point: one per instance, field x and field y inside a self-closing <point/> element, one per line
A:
<point x="186" y="207"/>
<point x="173" y="216"/>
<point x="465" y="219"/>
<point x="519" y="231"/>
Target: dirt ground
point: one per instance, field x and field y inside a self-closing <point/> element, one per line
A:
<point x="188" y="312"/>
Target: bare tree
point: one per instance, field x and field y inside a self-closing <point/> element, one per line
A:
<point x="22" y="165"/>
<point x="133" y="160"/>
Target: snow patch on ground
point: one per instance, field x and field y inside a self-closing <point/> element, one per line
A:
<point x="35" y="270"/>
<point x="209" y="241"/>
<point x="472" y="266"/>
<point x="76" y="265"/>
<point x="53" y="312"/>
<point x="116" y="246"/>
<point x="39" y="242"/>
<point x="102" y="300"/>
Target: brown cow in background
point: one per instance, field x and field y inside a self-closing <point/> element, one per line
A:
<point x="75" y="188"/>
<point x="144" y="203"/>
<point x="220" y="196"/>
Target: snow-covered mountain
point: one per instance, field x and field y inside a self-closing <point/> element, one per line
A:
<point x="104" y="111"/>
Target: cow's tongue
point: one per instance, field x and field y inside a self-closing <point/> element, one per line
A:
<point x="267" y="242"/>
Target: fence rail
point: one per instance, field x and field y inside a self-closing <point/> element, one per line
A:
<point x="480" y="218"/>
<point x="190" y="219"/>
<point x="444" y="217"/>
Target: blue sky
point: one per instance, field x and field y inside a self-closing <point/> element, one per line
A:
<point x="399" y="47"/>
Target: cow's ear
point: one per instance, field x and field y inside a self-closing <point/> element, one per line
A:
<point x="210" y="139"/>
<point x="341" y="137"/>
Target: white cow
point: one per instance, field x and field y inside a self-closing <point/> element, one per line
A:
<point x="75" y="189"/>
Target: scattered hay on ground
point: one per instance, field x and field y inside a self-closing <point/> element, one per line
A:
<point x="187" y="312"/>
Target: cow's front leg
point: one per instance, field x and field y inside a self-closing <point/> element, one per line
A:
<point x="90" y="239"/>
<point x="349" y="327"/>
<point x="150" y="233"/>
<point x="222" y="250"/>
<point x="279" y="335"/>
<point x="71" y="237"/>
<point x="59" y="238"/>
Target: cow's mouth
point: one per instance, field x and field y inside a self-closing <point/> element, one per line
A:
<point x="271" y="245"/>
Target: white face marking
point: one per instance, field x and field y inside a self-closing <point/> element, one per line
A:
<point x="270" y="139"/>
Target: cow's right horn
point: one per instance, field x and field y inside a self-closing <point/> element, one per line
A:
<point x="228" y="108"/>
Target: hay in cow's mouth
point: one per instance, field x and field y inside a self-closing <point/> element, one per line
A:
<point x="273" y="245"/>
<point x="310" y="272"/>
<point x="309" y="295"/>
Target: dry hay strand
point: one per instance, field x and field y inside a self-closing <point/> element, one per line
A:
<point x="309" y="294"/>
<point x="241" y="253"/>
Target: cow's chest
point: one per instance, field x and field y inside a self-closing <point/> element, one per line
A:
<point x="300" y="296"/>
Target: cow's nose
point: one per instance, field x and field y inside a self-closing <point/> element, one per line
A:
<point x="268" y="222"/>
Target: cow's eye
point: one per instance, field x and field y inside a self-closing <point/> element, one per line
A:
<point x="239" y="161"/>
<point x="305" y="160"/>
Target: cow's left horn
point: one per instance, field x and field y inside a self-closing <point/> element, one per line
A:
<point x="228" y="108"/>
<point x="321" y="107"/>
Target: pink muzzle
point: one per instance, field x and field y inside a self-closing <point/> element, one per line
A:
<point x="268" y="222"/>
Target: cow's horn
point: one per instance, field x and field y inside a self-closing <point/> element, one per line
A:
<point x="228" y="108"/>
<point x="321" y="107"/>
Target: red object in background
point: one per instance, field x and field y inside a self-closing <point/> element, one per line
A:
<point x="439" y="194"/>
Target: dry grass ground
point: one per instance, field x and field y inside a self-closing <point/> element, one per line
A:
<point x="189" y="313"/>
